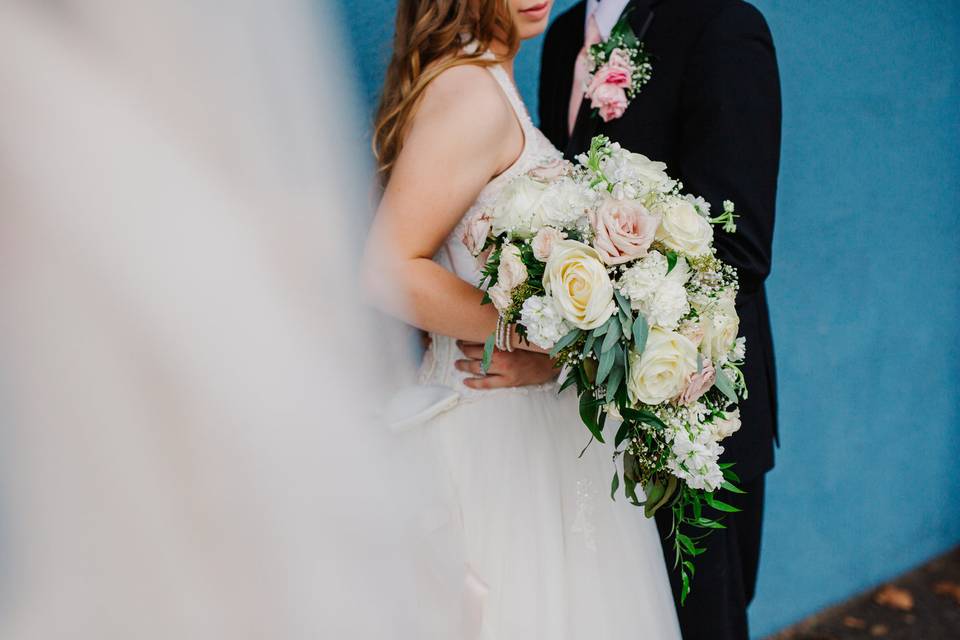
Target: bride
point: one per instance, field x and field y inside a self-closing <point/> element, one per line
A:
<point x="549" y="554"/>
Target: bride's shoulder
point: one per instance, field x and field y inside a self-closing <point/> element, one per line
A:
<point x="467" y="98"/>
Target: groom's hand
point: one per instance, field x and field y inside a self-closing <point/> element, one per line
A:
<point x="507" y="369"/>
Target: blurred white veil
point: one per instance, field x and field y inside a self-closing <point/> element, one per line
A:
<point x="188" y="381"/>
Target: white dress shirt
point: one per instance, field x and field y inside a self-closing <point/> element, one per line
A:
<point x="607" y="13"/>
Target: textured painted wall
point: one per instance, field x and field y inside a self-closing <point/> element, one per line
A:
<point x="864" y="291"/>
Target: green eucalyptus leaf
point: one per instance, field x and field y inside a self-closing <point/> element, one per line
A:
<point x="613" y="335"/>
<point x="623" y="302"/>
<point x="725" y="385"/>
<point x="613" y="382"/>
<point x="606" y="364"/>
<point x="640" y="332"/>
<point x="622" y="433"/>
<point x="614" y="485"/>
<point x="488" y="352"/>
<point x="564" y="342"/>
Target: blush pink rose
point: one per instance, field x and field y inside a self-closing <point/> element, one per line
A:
<point x="475" y="235"/>
<point x="624" y="230"/>
<point x="543" y="242"/>
<point x="699" y="383"/>
<point x="609" y="99"/>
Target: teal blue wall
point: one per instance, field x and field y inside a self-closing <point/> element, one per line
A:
<point x="864" y="291"/>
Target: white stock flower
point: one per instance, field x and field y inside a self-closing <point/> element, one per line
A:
<point x="739" y="351"/>
<point x="578" y="280"/>
<point x="682" y="228"/>
<point x="701" y="205"/>
<point x="696" y="459"/>
<point x="541" y="317"/>
<point x="637" y="172"/>
<point x="661" y="371"/>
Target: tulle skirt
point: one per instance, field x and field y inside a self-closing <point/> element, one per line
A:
<point x="550" y="556"/>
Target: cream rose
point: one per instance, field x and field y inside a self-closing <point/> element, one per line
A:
<point x="682" y="228"/>
<point x="624" y="230"/>
<point x="661" y="372"/>
<point x="577" y="279"/>
<point x="544" y="241"/>
<point x="720" y="327"/>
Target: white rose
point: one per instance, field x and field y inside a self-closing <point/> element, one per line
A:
<point x="725" y="427"/>
<point x="682" y="228"/>
<point x="661" y="371"/>
<point x="542" y="319"/>
<point x="543" y="242"/>
<point x="578" y="280"/>
<point x="511" y="272"/>
<point x="720" y="328"/>
<point x="517" y="207"/>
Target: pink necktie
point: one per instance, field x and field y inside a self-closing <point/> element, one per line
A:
<point x="581" y="71"/>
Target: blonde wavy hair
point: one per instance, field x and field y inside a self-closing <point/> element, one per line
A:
<point x="430" y="37"/>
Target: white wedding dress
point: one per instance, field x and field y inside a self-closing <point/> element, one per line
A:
<point x="550" y="556"/>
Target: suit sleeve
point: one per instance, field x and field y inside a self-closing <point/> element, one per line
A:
<point x="730" y="140"/>
<point x="547" y="89"/>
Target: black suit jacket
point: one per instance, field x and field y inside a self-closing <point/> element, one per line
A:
<point x="711" y="111"/>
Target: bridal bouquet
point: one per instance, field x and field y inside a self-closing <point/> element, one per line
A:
<point x="607" y="265"/>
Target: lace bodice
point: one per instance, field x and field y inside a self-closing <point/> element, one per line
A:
<point x="537" y="151"/>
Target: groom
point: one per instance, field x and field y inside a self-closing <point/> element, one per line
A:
<point x="711" y="111"/>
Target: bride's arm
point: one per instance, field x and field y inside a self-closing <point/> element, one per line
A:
<point x="464" y="133"/>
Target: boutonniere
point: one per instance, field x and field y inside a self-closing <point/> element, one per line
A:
<point x="619" y="67"/>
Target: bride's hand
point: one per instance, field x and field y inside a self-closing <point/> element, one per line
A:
<point x="507" y="369"/>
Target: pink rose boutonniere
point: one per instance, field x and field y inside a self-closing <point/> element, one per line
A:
<point x="619" y="67"/>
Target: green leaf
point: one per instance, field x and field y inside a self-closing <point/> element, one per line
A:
<point x="564" y="342"/>
<point x="588" y="343"/>
<point x="589" y="408"/>
<point x="602" y="329"/>
<point x="613" y="382"/>
<point x="732" y="488"/>
<point x="606" y="364"/>
<point x="613" y="335"/>
<point x="614" y="485"/>
<point x="570" y="381"/>
<point x="640" y="415"/>
<point x="623" y="302"/>
<point x="725" y="386"/>
<point x="671" y="260"/>
<point x="488" y="351"/>
<point x="729" y="474"/>
<point x="719" y="505"/>
<point x="640" y="332"/>
<point x="622" y="433"/>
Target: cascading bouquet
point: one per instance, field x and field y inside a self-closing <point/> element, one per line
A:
<point x="607" y="265"/>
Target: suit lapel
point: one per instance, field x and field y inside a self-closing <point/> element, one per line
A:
<point x="585" y="128"/>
